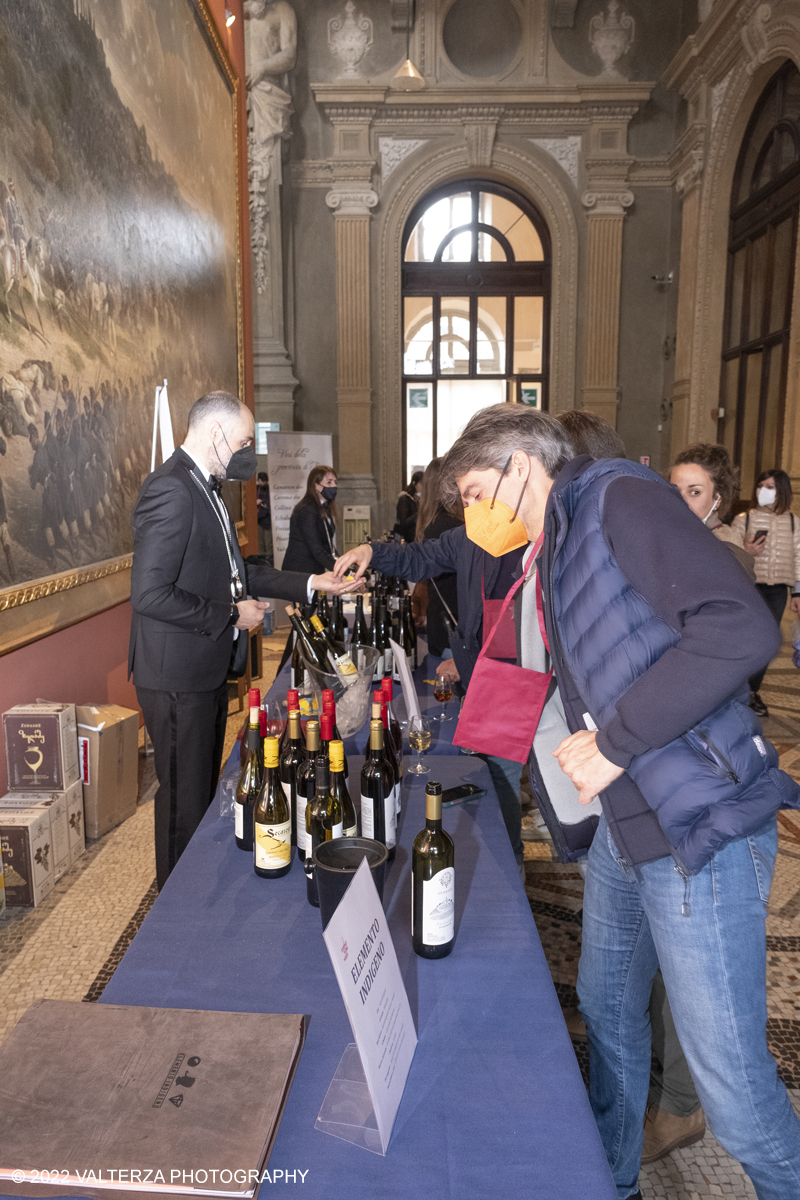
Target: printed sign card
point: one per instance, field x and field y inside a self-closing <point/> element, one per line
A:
<point x="363" y="1099"/>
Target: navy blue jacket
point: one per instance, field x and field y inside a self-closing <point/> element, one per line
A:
<point x="654" y="629"/>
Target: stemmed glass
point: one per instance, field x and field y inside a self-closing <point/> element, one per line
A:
<point x="419" y="738"/>
<point x="443" y="691"/>
<point x="275" y="718"/>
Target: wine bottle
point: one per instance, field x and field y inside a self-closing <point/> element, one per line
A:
<point x="323" y="607"/>
<point x="378" y="817"/>
<point x="311" y="651"/>
<point x="272" y="843"/>
<point x="325" y="736"/>
<point x="409" y="642"/>
<point x="388" y="632"/>
<point x="324" y="813"/>
<point x="306" y="785"/>
<point x="249" y="785"/>
<point x="387" y="688"/>
<point x="337" y="626"/>
<point x="342" y="661"/>
<point x="433" y="882"/>
<point x="290" y="759"/>
<point x="360" y="632"/>
<point x="292" y="704"/>
<point x="376" y="634"/>
<point x="379" y="708"/>
<point x="329" y="706"/>
<point x="339" y="789"/>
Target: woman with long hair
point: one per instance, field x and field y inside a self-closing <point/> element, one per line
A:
<point x="433" y="518"/>
<point x="770" y="532"/>
<point x="312" y="528"/>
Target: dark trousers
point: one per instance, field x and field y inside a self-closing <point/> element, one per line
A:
<point x="187" y="730"/>
<point x="775" y="596"/>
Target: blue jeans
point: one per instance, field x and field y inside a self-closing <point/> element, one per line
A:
<point x="714" y="965"/>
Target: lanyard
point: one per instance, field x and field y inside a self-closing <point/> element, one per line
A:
<point x="237" y="591"/>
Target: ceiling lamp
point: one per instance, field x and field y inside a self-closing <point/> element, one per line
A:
<point x="229" y="17"/>
<point x="408" y="78"/>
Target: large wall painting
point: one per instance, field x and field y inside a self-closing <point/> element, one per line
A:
<point x="118" y="263"/>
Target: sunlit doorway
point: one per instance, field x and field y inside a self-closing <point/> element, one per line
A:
<point x="476" y="292"/>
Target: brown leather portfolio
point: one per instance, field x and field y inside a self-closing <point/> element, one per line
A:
<point x="104" y="1100"/>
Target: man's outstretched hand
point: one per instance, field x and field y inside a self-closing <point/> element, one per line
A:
<point x="361" y="557"/>
<point x="588" y="769"/>
<point x="330" y="582"/>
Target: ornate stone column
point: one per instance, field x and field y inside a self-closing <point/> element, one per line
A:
<point x="687" y="186"/>
<point x="351" y="205"/>
<point x="603" y="276"/>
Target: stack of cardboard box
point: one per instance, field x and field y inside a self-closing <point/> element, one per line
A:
<point x="41" y="818"/>
<point x="72" y="774"/>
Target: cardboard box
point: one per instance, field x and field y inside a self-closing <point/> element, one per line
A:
<point x="108" y="747"/>
<point x="63" y="807"/>
<point x="27" y="850"/>
<point x="55" y="805"/>
<point x="75" y="823"/>
<point x="41" y="747"/>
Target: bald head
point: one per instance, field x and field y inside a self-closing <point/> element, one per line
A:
<point x="219" y="425"/>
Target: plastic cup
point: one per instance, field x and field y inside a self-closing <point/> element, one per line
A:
<point x="335" y="864"/>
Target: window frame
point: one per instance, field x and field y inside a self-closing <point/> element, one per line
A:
<point x="474" y="280"/>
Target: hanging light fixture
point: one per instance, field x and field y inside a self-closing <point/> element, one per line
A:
<point x="229" y="17"/>
<point x="408" y="78"/>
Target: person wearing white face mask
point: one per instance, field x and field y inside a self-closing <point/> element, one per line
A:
<point x="770" y="532"/>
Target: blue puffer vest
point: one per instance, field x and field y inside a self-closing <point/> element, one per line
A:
<point x="718" y="781"/>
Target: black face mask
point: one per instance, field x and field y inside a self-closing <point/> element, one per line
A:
<point x="329" y="493"/>
<point x="242" y="464"/>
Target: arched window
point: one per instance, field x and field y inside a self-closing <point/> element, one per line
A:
<point x="476" y="291"/>
<point x="763" y="227"/>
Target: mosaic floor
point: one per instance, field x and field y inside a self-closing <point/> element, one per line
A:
<point x="69" y="947"/>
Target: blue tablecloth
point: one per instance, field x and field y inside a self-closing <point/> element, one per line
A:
<point x="494" y="1105"/>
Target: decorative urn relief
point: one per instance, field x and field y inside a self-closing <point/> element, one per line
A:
<point x="611" y="35"/>
<point x="350" y="38"/>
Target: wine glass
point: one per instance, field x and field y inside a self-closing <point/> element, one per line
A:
<point x="443" y="691"/>
<point x="419" y="739"/>
<point x="275" y="718"/>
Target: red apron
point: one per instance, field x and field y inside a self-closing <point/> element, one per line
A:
<point x="503" y="704"/>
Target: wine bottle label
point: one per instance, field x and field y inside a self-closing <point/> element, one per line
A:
<point x="387" y="662"/>
<point x="391" y="819"/>
<point x="288" y="792"/>
<point x="301" y="825"/>
<point x="346" y="665"/>
<point x="439" y="908"/>
<point x="396" y="672"/>
<point x="351" y="831"/>
<point x="238" y="819"/>
<point x="396" y="801"/>
<point x="367" y="817"/>
<point x="378" y="672"/>
<point x="336" y="832"/>
<point x="273" y="846"/>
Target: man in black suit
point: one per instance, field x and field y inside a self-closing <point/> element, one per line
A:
<point x="192" y="608"/>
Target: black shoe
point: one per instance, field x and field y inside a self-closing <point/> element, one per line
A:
<point x="758" y="706"/>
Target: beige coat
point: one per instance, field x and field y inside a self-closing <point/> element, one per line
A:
<point x="780" y="560"/>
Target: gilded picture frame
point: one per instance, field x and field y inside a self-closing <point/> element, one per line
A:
<point x="73" y="310"/>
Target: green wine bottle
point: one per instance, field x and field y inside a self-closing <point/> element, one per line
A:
<point x="339" y="790"/>
<point x="433" y="883"/>
<point x="249" y="785"/>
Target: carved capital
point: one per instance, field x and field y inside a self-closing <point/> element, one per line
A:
<point x="608" y="203"/>
<point x="351" y="201"/>
<point x="691" y="174"/>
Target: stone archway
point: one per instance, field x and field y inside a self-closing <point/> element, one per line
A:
<point x="529" y="171"/>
